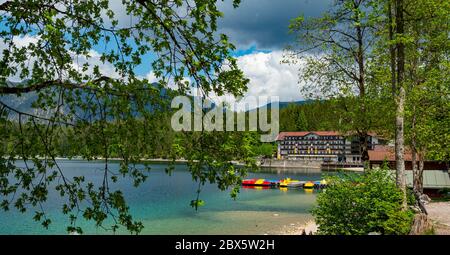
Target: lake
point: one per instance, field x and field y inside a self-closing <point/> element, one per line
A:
<point x="162" y="204"/>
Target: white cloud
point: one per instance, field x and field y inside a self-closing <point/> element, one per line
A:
<point x="94" y="59"/>
<point x="24" y="41"/>
<point x="151" y="77"/>
<point x="268" y="77"/>
<point x="19" y="42"/>
<point x="77" y="60"/>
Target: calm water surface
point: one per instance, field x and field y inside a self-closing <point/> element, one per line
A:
<point x="162" y="204"/>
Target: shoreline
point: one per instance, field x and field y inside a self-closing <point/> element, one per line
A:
<point x="294" y="169"/>
<point x="307" y="228"/>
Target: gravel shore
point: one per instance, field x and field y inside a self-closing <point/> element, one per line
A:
<point x="297" y="228"/>
<point x="439" y="213"/>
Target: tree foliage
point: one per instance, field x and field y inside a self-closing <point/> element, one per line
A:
<point x="359" y="204"/>
<point x="311" y="115"/>
<point x="424" y="44"/>
<point x="77" y="63"/>
<point x="336" y="51"/>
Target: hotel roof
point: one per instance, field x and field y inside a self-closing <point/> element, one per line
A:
<point x="281" y="135"/>
<point x="304" y="133"/>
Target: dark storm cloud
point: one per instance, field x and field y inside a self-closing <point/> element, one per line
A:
<point x="264" y="23"/>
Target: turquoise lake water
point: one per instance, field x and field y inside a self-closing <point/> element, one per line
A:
<point x="162" y="204"/>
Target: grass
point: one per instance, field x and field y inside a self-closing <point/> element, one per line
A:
<point x="430" y="232"/>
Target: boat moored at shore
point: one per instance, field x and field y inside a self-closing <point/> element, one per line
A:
<point x="284" y="183"/>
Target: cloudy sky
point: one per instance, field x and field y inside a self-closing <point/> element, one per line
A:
<point x="263" y="23"/>
<point x="258" y="28"/>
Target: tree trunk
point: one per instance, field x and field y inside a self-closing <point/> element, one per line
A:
<point x="400" y="101"/>
<point x="399" y="145"/>
<point x="414" y="153"/>
<point x="421" y="225"/>
<point x="417" y="174"/>
<point x="364" y="148"/>
<point x="420" y="173"/>
<point x="392" y="50"/>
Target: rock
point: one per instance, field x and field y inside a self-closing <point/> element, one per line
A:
<point x="425" y="199"/>
<point x="276" y="214"/>
<point x="415" y="208"/>
<point x="310" y="228"/>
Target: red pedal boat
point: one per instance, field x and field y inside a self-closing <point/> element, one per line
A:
<point x="256" y="182"/>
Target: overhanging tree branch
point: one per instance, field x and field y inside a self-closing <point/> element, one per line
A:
<point x="4" y="90"/>
<point x="4" y="6"/>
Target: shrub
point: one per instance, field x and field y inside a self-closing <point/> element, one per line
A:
<point x="356" y="204"/>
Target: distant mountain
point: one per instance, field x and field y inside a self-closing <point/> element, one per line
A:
<point x="282" y="105"/>
<point x="23" y="103"/>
